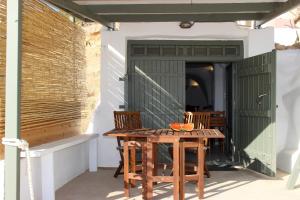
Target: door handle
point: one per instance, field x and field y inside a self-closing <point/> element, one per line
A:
<point x="259" y="98"/>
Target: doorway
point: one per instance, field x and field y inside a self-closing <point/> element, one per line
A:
<point x="208" y="88"/>
<point x="155" y="85"/>
<point x="199" y="86"/>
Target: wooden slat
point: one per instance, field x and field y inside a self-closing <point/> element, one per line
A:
<point x="167" y="179"/>
<point x="154" y="134"/>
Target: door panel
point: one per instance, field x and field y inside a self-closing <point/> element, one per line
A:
<point x="157" y="89"/>
<point x="254" y="109"/>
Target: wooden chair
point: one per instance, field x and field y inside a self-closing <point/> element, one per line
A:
<point x="126" y="121"/>
<point x="201" y="120"/>
<point x="218" y="121"/>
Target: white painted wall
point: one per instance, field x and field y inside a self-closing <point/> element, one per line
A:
<point x="69" y="163"/>
<point x="287" y="113"/>
<point x="70" y="159"/>
<point x="113" y="64"/>
<point x="260" y="41"/>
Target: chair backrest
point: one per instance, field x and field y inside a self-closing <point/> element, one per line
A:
<point x="127" y="120"/>
<point x="218" y="120"/>
<point x="201" y="120"/>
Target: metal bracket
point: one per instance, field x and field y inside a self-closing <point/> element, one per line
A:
<point x="260" y="97"/>
<point x="122" y="106"/>
<point x="123" y="78"/>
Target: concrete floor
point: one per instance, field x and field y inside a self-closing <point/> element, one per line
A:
<point x="240" y="184"/>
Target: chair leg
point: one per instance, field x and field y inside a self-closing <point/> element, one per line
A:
<point x="206" y="172"/>
<point x="119" y="169"/>
<point x="222" y="146"/>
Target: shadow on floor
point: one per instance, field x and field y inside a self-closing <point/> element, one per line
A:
<point x="101" y="185"/>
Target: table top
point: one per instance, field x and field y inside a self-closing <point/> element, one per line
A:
<point x="144" y="133"/>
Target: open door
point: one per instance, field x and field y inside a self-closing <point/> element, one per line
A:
<point x="254" y="108"/>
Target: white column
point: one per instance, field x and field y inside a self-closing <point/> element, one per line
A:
<point x="93" y="154"/>
<point x="48" y="188"/>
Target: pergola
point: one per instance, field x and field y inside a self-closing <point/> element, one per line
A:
<point x="107" y="12"/>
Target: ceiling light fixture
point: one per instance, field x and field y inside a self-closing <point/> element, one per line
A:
<point x="186" y="24"/>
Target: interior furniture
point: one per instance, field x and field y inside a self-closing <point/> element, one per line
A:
<point x="155" y="136"/>
<point x="201" y="120"/>
<point x="125" y="120"/>
<point x="218" y="121"/>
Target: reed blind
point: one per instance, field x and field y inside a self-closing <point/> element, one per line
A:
<point x="55" y="101"/>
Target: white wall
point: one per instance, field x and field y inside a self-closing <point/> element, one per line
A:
<point x="261" y="41"/>
<point x="113" y="64"/>
<point x="68" y="164"/>
<point x="287" y="113"/>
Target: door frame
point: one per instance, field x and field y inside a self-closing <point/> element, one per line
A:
<point x="208" y="44"/>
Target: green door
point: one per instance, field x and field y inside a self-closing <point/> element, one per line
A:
<point x="254" y="113"/>
<point x="156" y="88"/>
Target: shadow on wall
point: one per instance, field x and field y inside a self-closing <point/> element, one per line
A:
<point x="288" y="100"/>
<point x="291" y="102"/>
<point x="112" y="95"/>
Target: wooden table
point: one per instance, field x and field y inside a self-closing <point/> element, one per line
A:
<point x="152" y="136"/>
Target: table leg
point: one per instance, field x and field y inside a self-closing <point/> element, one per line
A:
<point x="154" y="154"/>
<point x="144" y="170"/>
<point x="149" y="170"/>
<point x="182" y="170"/>
<point x="133" y="164"/>
<point x="176" y="170"/>
<point x="201" y="168"/>
<point x="126" y="168"/>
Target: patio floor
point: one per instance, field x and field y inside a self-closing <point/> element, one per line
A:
<point x="240" y="184"/>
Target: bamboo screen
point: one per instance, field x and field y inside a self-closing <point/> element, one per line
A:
<point x="55" y="102"/>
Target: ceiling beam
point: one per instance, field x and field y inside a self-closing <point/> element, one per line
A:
<point x="185" y="8"/>
<point x="289" y="5"/>
<point x="81" y="11"/>
<point x="185" y="17"/>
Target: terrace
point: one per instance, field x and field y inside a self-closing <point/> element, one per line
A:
<point x="59" y="91"/>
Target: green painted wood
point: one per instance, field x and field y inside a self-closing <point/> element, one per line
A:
<point x="12" y="98"/>
<point x="294" y="175"/>
<point x="157" y="90"/>
<point x="210" y="12"/>
<point x="218" y="51"/>
<point x="183" y="8"/>
<point x="223" y="17"/>
<point x="255" y="108"/>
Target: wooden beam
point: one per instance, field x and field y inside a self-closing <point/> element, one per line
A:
<point x="81" y="11"/>
<point x="289" y="5"/>
<point x="184" y="8"/>
<point x="185" y="17"/>
<point x="12" y="97"/>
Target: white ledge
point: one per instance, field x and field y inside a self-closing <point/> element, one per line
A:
<point x="51" y="147"/>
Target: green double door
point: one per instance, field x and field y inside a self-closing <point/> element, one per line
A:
<point x="156" y="88"/>
<point x="254" y="109"/>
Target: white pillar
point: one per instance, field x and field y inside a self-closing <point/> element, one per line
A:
<point x="48" y="187"/>
<point x="93" y="154"/>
